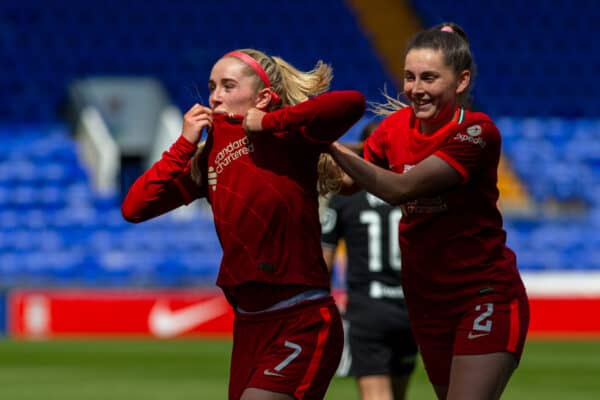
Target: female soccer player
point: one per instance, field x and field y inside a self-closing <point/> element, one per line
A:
<point x="380" y="350"/>
<point x="258" y="170"/>
<point x="467" y="304"/>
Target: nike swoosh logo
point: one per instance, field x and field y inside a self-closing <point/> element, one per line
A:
<point x="271" y="373"/>
<point x="166" y="323"/>
<point x="476" y="335"/>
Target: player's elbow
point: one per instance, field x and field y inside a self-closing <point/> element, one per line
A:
<point x="397" y="195"/>
<point x="130" y="213"/>
<point x="358" y="104"/>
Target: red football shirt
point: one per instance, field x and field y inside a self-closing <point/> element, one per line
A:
<point x="453" y="245"/>
<point x="262" y="189"/>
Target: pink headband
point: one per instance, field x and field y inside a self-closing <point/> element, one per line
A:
<point x="447" y="28"/>
<point x="256" y="67"/>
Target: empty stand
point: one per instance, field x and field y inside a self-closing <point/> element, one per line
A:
<point x="538" y="75"/>
<point x="55" y="230"/>
<point x="537" y="58"/>
<point x="44" y="47"/>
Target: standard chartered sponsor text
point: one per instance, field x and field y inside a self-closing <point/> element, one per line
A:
<point x="232" y="152"/>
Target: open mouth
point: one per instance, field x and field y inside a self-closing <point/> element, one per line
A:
<point x="220" y="110"/>
<point x="421" y="102"/>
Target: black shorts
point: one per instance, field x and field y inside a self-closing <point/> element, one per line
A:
<point x="378" y="339"/>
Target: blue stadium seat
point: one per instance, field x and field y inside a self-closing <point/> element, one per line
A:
<point x="552" y="141"/>
<point x="50" y="46"/>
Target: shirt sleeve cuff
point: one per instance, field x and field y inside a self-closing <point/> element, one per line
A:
<point x="185" y="146"/>
<point x="269" y="123"/>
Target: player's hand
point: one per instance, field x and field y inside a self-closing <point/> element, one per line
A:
<point x="253" y="120"/>
<point x="194" y="121"/>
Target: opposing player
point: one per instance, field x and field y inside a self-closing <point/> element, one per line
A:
<point x="467" y="304"/>
<point x="380" y="349"/>
<point x="258" y="170"/>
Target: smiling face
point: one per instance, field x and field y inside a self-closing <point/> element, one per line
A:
<point x="233" y="88"/>
<point x="432" y="87"/>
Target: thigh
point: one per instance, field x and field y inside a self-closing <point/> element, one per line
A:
<point x="298" y="354"/>
<point x="480" y="376"/>
<point x="260" y="394"/>
<point x="375" y="387"/>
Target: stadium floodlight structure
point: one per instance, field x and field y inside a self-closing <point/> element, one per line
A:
<point x="123" y="124"/>
<point x="99" y="149"/>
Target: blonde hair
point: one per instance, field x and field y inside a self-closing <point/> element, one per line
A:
<point x="291" y="84"/>
<point x="330" y="175"/>
<point x="390" y="106"/>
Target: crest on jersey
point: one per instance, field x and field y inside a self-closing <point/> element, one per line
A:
<point x="474" y="130"/>
<point x="212" y="178"/>
<point x="328" y="218"/>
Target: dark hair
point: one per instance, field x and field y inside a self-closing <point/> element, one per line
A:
<point x="454" y="27"/>
<point x="453" y="42"/>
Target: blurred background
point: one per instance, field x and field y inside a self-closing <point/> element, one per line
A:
<point x="91" y="93"/>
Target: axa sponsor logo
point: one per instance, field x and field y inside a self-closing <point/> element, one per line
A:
<point x="166" y="323"/>
<point x="472" y="136"/>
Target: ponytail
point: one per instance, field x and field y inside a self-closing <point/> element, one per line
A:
<point x="297" y="86"/>
<point x="292" y="85"/>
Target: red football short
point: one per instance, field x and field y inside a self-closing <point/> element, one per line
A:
<point x="488" y="327"/>
<point x="294" y="350"/>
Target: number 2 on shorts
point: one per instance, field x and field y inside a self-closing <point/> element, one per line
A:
<point x="481" y="323"/>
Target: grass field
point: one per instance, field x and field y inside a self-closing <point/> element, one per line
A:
<point x="197" y="369"/>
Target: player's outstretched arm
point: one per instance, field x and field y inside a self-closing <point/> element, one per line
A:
<point x="428" y="178"/>
<point x="321" y="119"/>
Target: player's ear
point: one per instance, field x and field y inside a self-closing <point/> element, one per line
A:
<point x="464" y="79"/>
<point x="263" y="99"/>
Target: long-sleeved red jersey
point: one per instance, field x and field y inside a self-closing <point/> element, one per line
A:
<point x="262" y="189"/>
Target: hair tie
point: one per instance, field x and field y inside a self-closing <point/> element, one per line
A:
<point x="256" y="67"/>
<point x="447" y="28"/>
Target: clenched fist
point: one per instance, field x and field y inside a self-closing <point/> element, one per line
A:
<point x="253" y="120"/>
<point x="194" y="121"/>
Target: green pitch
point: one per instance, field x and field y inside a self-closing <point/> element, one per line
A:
<point x="197" y="369"/>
